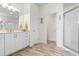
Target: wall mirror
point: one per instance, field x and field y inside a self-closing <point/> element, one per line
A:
<point x="9" y="17"/>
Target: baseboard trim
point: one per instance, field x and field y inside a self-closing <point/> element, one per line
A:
<point x="71" y="51"/>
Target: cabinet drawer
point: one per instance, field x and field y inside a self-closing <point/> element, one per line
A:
<point x="9" y="44"/>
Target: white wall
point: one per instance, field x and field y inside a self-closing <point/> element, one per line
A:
<point x="51" y="27"/>
<point x="44" y="12"/>
<point x="43" y="30"/>
<point x="51" y="8"/>
<point x="60" y="29"/>
<point x="34" y="24"/>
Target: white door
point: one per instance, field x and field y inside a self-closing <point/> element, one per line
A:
<point x="9" y="44"/>
<point x="1" y="44"/>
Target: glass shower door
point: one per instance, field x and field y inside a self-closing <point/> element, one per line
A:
<point x="71" y="29"/>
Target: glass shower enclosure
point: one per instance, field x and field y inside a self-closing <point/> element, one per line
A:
<point x="71" y="29"/>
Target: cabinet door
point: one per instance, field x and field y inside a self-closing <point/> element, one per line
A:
<point x="22" y="40"/>
<point x="9" y="44"/>
<point x="1" y="44"/>
<point x="19" y="41"/>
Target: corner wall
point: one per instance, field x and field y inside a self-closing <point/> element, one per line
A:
<point x="34" y="24"/>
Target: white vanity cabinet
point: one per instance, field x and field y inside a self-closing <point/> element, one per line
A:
<point x="25" y="36"/>
<point x="1" y="44"/>
<point x="19" y="41"/>
<point x="12" y="42"/>
<point x="9" y="43"/>
<point x="22" y="40"/>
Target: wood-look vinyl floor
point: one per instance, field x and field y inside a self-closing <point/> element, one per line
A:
<point x="41" y="49"/>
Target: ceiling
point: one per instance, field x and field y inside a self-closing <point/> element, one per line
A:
<point x="41" y="4"/>
<point x="68" y="4"/>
